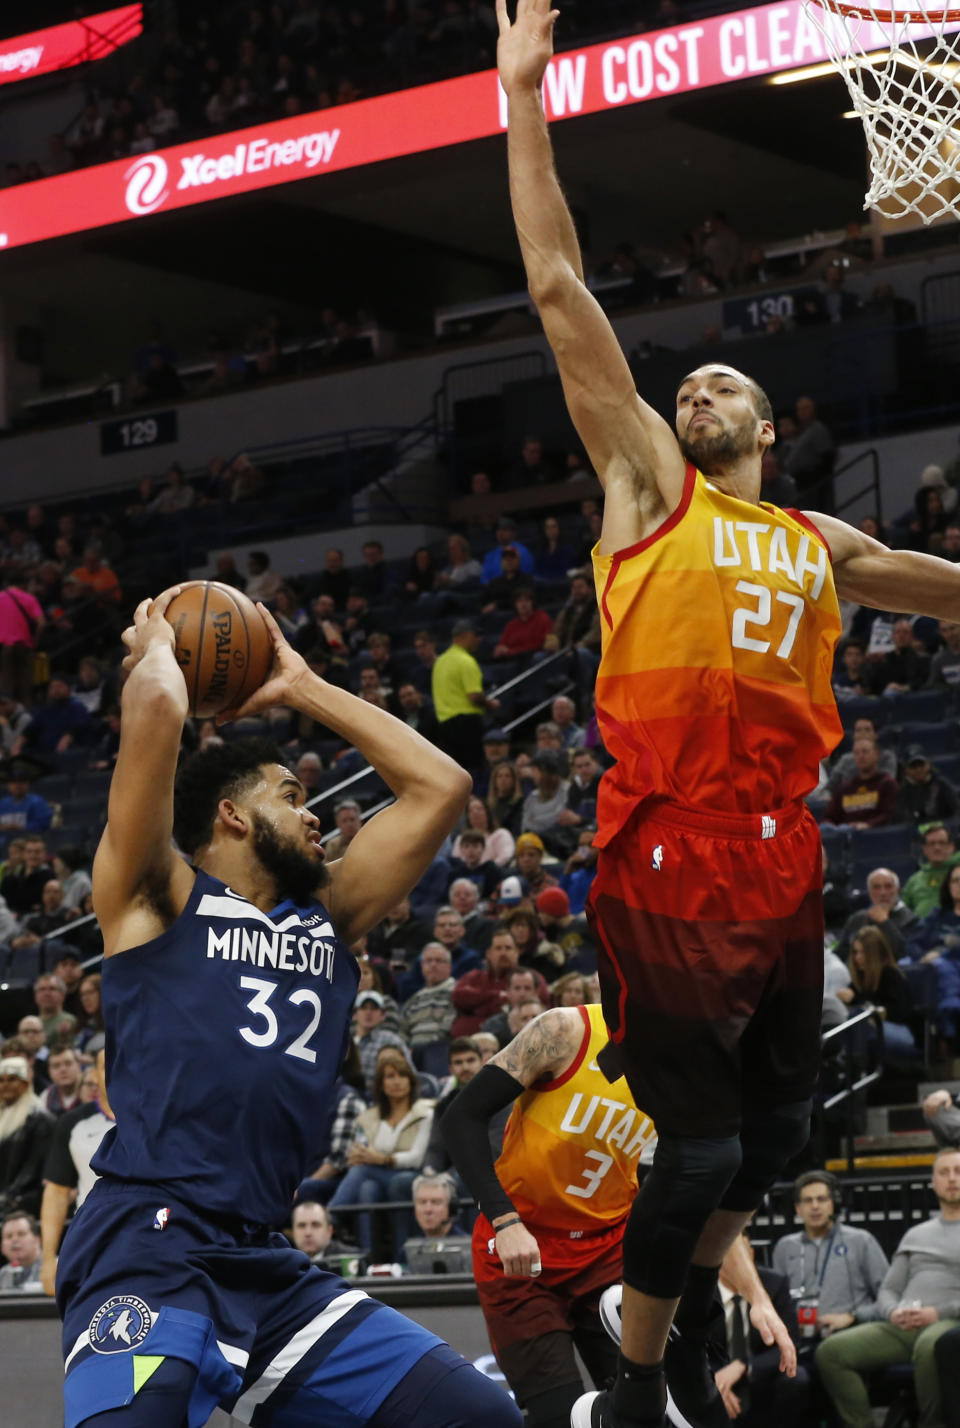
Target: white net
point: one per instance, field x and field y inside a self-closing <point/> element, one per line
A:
<point x="901" y="65"/>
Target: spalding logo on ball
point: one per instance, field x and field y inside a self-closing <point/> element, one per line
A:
<point x="222" y="645"/>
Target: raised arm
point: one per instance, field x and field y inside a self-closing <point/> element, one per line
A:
<point x="392" y="851"/>
<point x="633" y="450"/>
<point x="136" y="872"/>
<point x="544" y="1048"/>
<point x="903" y="580"/>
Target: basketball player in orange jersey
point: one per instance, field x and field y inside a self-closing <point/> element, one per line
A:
<point x="548" y="1241"/>
<point x="719" y="620"/>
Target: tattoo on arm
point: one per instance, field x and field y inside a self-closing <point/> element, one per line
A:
<point x="546" y="1044"/>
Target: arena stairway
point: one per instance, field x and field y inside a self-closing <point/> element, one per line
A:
<point x="897" y="1137"/>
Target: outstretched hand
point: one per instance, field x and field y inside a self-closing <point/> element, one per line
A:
<point x="525" y="48"/>
<point x="287" y="670"/>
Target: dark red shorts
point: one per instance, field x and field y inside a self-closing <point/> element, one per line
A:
<point x="710" y="937"/>
<point x="534" y="1324"/>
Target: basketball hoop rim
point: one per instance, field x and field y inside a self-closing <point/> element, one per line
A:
<point x="889" y="17"/>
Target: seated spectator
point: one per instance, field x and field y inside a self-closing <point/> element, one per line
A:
<point x="775" y="485"/>
<point x="553" y="558"/>
<point x="348" y="1104"/>
<point x="583" y="789"/>
<point x="107" y="747"/>
<point x="527" y="632"/>
<point x="262" y="582"/>
<point x="533" y="467"/>
<point x="311" y="1231"/>
<point x="66" y="1073"/>
<point x="945" y="665"/>
<point x="921" y="891"/>
<point x="429" y="1013"/>
<point x="289" y="613"/>
<point x="461" y="570"/>
<point x="464" y="1061"/>
<point x="546" y="958"/>
<point x="930" y="510"/>
<point x="939" y="931"/>
<point x="942" y="1113"/>
<point x="754" y="1391"/>
<point x="876" y="980"/>
<point x="571" y="934"/>
<point x="176" y="496"/>
<point x="335" y="580"/>
<point x="887" y="911"/>
<point x="812" y="452"/>
<point x="246" y="482"/>
<point x="524" y="984"/>
<point x="400" y="937"/>
<point x="347" y="816"/>
<point x="501" y="592"/>
<point x="833" y="1287"/>
<point x="69" y="968"/>
<point x="866" y="800"/>
<point x="371" y="1035"/>
<point x="563" y="713"/>
<point x="851" y="672"/>
<point x="481" y="993"/>
<point x="923" y="795"/>
<point x="51" y="918"/>
<point x="15" y="720"/>
<point x="477" y="929"/>
<point x="449" y="930"/>
<point x="25" y="1130"/>
<point x="90" y="1029"/>
<point x="918" y="1301"/>
<point x="388" y="1149"/>
<point x="505" y="536"/>
<point x="20" y="809"/>
<point x="22" y="885"/>
<point x="542" y="806"/>
<point x="570" y="990"/>
<point x="530" y="852"/>
<point x="59" y="722"/>
<point x="59" y="1026"/>
<point x="308" y="770"/>
<point x="471" y="863"/>
<point x="20" y="1247"/>
<point x="422" y="573"/>
<point x="505" y="799"/>
<point x="498" y="843"/>
<point x="371" y="981"/>
<point x="905" y="667"/>
<point x="578" y="622"/>
<point x="97" y="578"/>
<point x="950" y="544"/>
<point x="371" y="578"/>
<point x="435" y="1207"/>
<point x="846" y="765"/>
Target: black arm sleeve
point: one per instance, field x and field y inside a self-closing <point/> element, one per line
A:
<point x="464" y="1128"/>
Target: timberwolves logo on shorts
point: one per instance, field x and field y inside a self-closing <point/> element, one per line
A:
<point x="120" y="1324"/>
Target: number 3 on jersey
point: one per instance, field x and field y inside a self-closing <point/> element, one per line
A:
<point x="591" y="1176"/>
<point x="761" y="618"/>
<point x="259" y="1005"/>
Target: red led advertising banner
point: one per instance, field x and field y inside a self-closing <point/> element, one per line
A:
<point x="63" y="46"/>
<point x="721" y="50"/>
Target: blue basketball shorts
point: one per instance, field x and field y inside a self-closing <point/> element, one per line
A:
<point x="273" y="1338"/>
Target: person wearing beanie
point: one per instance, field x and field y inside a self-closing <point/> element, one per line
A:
<point x="571" y="934"/>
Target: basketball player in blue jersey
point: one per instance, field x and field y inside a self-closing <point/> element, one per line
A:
<point x="228" y="987"/>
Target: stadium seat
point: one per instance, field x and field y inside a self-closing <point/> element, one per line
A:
<point x="895" y="840"/>
<point x="89" y="783"/>
<point x="934" y="739"/>
<point x="853" y="709"/>
<point x="55" y="788"/>
<point x="929" y="705"/>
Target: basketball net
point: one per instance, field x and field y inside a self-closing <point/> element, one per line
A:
<point x="901" y="64"/>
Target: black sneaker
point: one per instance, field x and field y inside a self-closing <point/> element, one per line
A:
<point x="593" y="1410"/>
<point x="693" y="1400"/>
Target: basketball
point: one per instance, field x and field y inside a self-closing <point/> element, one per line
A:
<point x="222" y="645"/>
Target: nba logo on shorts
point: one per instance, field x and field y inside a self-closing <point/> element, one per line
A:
<point x="120" y="1324"/>
<point x="657" y="863"/>
<point x="161" y="1217"/>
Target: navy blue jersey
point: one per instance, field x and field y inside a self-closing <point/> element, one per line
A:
<point x="224" y="1039"/>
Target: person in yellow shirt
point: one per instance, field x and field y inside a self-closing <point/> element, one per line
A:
<point x="458" y="697"/>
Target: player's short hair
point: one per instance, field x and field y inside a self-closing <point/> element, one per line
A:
<point x="223" y="771"/>
<point x="761" y="402"/>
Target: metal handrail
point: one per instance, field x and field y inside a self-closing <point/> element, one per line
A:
<point x="524" y="674"/>
<point x="873" y="456"/>
<point x="844" y="1097"/>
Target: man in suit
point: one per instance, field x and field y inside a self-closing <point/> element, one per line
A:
<point x="753" y="1389"/>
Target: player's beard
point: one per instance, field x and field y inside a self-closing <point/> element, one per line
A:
<point x="298" y="874"/>
<point x="712" y="452"/>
